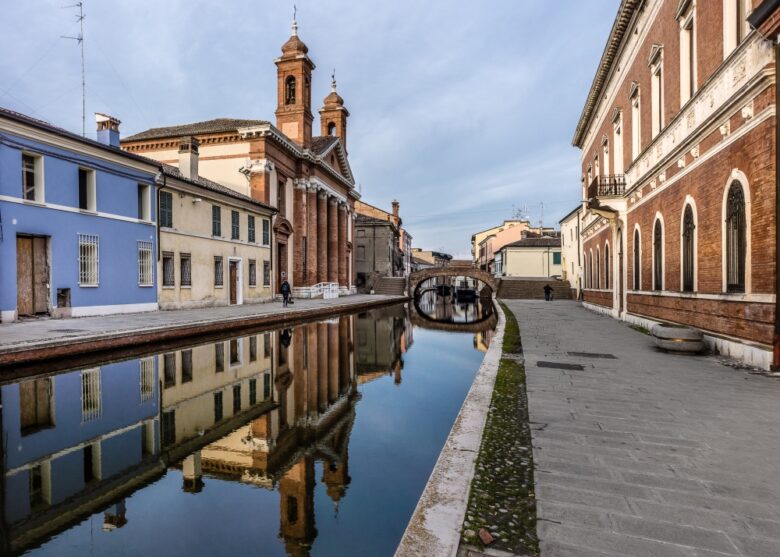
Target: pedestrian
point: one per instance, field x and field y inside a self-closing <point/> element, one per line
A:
<point x="548" y="292"/>
<point x="285" y="289"/>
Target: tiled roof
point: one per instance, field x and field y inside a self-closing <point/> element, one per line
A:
<point x="217" y="125"/>
<point x="545" y="242"/>
<point x="365" y="219"/>
<point x="174" y="172"/>
<point x="322" y="143"/>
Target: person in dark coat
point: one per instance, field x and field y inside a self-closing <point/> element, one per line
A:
<point x="285" y="289"/>
<point x="548" y="292"/>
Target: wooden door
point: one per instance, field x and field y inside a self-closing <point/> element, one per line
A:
<point x="25" y="304"/>
<point x="40" y="275"/>
<point x="233" y="282"/>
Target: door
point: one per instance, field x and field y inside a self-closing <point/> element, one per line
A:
<point x="281" y="265"/>
<point x="32" y="275"/>
<point x="233" y="282"/>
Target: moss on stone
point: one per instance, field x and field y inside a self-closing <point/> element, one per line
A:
<point x="512" y="343"/>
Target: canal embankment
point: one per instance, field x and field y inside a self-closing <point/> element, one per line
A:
<point x="34" y="341"/>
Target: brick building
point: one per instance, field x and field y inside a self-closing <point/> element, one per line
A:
<point x="378" y="243"/>
<point x="678" y="170"/>
<point x="306" y="178"/>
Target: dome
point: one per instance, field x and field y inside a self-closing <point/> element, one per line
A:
<point x="334" y="98"/>
<point x="294" y="44"/>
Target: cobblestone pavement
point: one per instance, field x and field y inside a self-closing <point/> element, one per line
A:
<point x="647" y="454"/>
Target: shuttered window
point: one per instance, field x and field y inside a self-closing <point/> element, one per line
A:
<point x="251" y="229"/>
<point x="166" y="209"/>
<point x="235" y="229"/>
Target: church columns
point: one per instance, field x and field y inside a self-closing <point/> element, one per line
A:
<point x="322" y="366"/>
<point x="333" y="362"/>
<point x="311" y="231"/>
<point x="342" y="245"/>
<point x="299" y="226"/>
<point x="333" y="239"/>
<point x="322" y="237"/>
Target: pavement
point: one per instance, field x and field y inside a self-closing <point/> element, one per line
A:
<point x="649" y="453"/>
<point x="45" y="338"/>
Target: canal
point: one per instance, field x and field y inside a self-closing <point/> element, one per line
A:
<point x="312" y="440"/>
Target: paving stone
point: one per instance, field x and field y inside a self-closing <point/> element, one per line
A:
<point x="674" y="533"/>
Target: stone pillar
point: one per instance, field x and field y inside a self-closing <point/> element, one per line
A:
<point x="333" y="362"/>
<point x="299" y="231"/>
<point x="311" y="234"/>
<point x="333" y="240"/>
<point x="322" y="237"/>
<point x="342" y="246"/>
<point x="322" y="366"/>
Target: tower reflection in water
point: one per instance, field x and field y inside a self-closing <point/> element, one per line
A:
<point x="260" y="409"/>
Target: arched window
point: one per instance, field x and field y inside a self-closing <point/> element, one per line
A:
<point x="736" y="238"/>
<point x="590" y="270"/>
<point x="606" y="268"/>
<point x="331" y="128"/>
<point x="289" y="90"/>
<point x="658" y="256"/>
<point x="688" y="251"/>
<point x="598" y="268"/>
<point x="637" y="262"/>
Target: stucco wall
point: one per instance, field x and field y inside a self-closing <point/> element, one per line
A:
<point x="530" y="262"/>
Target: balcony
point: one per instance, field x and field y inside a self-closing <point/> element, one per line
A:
<point x="613" y="185"/>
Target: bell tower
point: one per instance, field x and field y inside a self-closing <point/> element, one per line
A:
<point x="333" y="115"/>
<point x="293" y="70"/>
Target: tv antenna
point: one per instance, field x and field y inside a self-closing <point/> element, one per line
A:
<point x="80" y="40"/>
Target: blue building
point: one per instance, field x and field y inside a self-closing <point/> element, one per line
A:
<point x="77" y="222"/>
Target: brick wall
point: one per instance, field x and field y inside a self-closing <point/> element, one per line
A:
<point x="598" y="297"/>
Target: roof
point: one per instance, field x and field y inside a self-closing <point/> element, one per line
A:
<point x="218" y="125"/>
<point x="500" y="225"/>
<point x="365" y="219"/>
<point x="174" y="172"/>
<point x="46" y="126"/>
<point x="574" y="211"/>
<point x="544" y="242"/>
<point x="619" y="28"/>
<point x="321" y="143"/>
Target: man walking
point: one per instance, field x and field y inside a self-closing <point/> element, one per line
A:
<point x="548" y="292"/>
<point x="285" y="289"/>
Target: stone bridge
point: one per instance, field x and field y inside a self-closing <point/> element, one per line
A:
<point x="419" y="277"/>
<point x="419" y="319"/>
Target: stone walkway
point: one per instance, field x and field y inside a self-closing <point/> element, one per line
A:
<point x="647" y="454"/>
<point x="50" y="334"/>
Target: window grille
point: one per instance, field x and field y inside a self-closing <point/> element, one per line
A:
<point x="28" y="177"/>
<point x="266" y="273"/>
<point x="235" y="231"/>
<point x="251" y="229"/>
<point x="266" y="232"/>
<point x="168" y="274"/>
<point x="145" y="273"/>
<point x="185" y="262"/>
<point x="89" y="257"/>
<point x="688" y="253"/>
<point x="658" y="250"/>
<point x="216" y="220"/>
<point x="90" y="395"/>
<point x="252" y="272"/>
<point x="166" y="209"/>
<point x="147" y="379"/>
<point x="218" y="272"/>
<point x="736" y="239"/>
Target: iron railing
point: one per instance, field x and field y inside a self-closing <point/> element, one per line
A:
<point x="613" y="185"/>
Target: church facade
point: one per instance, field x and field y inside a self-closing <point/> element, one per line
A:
<point x="307" y="178"/>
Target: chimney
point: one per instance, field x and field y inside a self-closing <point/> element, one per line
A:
<point x="396" y="206"/>
<point x="107" y="129"/>
<point x="188" y="157"/>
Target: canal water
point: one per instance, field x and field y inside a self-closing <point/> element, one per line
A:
<point x="312" y="440"/>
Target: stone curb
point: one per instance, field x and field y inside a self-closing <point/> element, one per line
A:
<point x="434" y="528"/>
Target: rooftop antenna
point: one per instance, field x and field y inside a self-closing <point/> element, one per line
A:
<point x="80" y="40"/>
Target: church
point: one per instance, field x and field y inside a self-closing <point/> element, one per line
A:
<point x="306" y="178"/>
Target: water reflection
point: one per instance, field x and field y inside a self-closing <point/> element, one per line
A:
<point x="264" y="411"/>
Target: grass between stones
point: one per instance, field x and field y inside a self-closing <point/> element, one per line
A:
<point x="502" y="498"/>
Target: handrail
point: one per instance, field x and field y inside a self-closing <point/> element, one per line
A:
<point x="613" y="185"/>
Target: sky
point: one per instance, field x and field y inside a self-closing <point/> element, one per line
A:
<point x="462" y="111"/>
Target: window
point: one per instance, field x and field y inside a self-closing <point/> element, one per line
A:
<point x="266" y="232"/>
<point x="556" y="258"/>
<point x="266" y="386"/>
<point x="657" y="90"/>
<point x="87" y="190"/>
<point x="637" y="269"/>
<point x="267" y="345"/>
<point x="361" y="253"/>
<point x="235" y="230"/>
<point x="91" y="468"/>
<point x="331" y="128"/>
<point x="35" y="405"/>
<point x="289" y="90"/>
<point x="144" y="202"/>
<point x="166" y="209"/>
<point x="658" y="256"/>
<point x="90" y="395"/>
<point x="636" y="123"/>
<point x="252" y="272"/>
<point x="687" y="55"/>
<point x="607" y="284"/>
<point x="147" y="379"/>
<point x="219" y="357"/>
<point x="236" y="399"/>
<point x="253" y="348"/>
<point x="167" y="267"/>
<point x="168" y="428"/>
<point x="281" y="197"/>
<point x="597" y="269"/>
<point x="89" y="256"/>
<point x="185" y="268"/>
<point x="736" y="238"/>
<point x="605" y="155"/>
<point x="216" y="220"/>
<point x="218" y="274"/>
<point x="617" y="141"/>
<point x="266" y="273"/>
<point x="186" y="366"/>
<point x="235" y="352"/>
<point x="218" y="407"/>
<point x="145" y="269"/>
<point x="250" y="229"/>
<point x="735" y="24"/>
<point x="39" y="481"/>
<point x="32" y="178"/>
<point x="688" y="250"/>
<point x="169" y="370"/>
<point x="252" y="392"/>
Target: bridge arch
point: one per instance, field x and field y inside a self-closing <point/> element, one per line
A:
<point x="419" y="277"/>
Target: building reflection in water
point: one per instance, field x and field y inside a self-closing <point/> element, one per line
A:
<point x="261" y="409"/>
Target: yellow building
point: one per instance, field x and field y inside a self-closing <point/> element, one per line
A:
<point x="215" y="243"/>
<point x="530" y="257"/>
